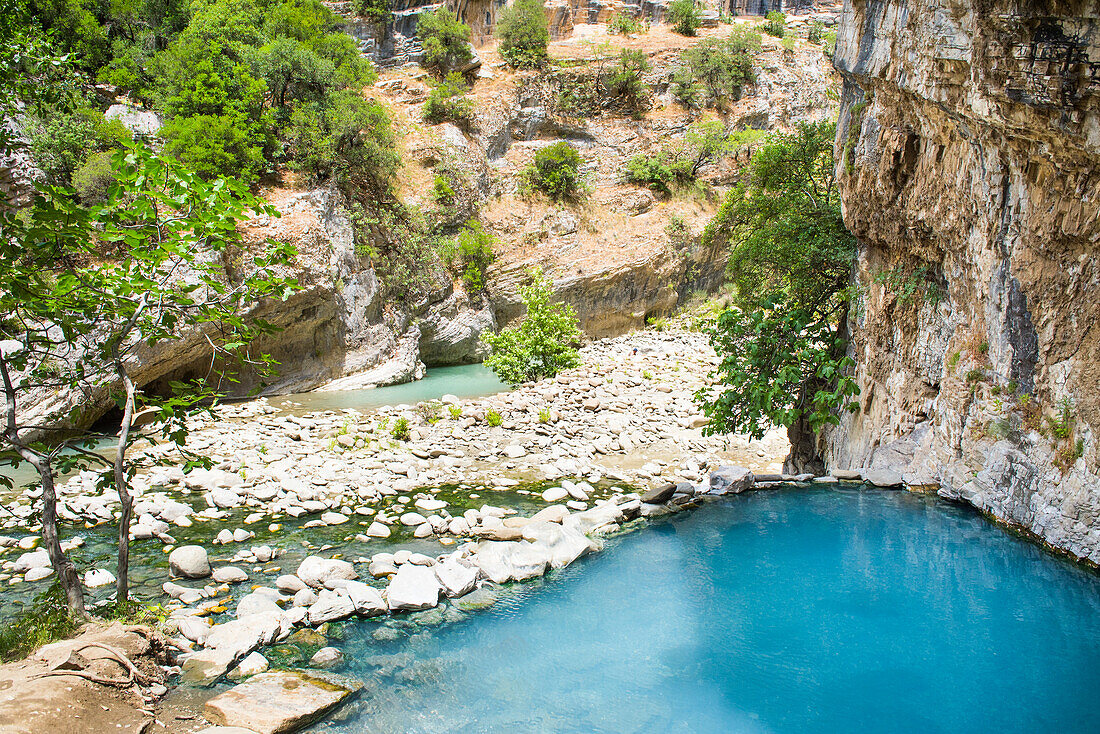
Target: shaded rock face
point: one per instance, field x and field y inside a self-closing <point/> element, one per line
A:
<point x="969" y="143"/>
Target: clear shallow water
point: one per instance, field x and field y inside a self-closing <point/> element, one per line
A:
<point x="793" y="611"/>
<point x="464" y="381"/>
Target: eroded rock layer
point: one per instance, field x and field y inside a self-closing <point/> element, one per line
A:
<point x="969" y="140"/>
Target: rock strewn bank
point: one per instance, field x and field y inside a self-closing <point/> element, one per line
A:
<point x="970" y="143"/>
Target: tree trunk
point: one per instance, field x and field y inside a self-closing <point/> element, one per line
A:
<point x="62" y="566"/>
<point x="122" y="577"/>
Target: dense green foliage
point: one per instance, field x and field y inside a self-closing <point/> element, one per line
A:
<point x="49" y="619"/>
<point x="447" y="102"/>
<point x="684" y="16"/>
<point x="446" y="40"/>
<point x="469" y="254"/>
<point x="112" y="280"/>
<point x="555" y="171"/>
<point x="678" y="162"/>
<point x="790" y="257"/>
<point x="523" y="34"/>
<point x="775" y="23"/>
<point x="713" y="71"/>
<point x="816" y="32"/>
<point x="374" y="10"/>
<point x="244" y="85"/>
<point x="542" y="345"/>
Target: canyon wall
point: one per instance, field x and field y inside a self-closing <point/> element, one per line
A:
<point x="969" y="165"/>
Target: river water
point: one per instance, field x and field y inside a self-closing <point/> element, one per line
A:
<point x="803" y="610"/>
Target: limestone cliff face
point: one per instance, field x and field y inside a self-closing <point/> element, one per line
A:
<point x="969" y="144"/>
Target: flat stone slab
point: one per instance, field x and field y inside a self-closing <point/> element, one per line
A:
<point x="280" y="701"/>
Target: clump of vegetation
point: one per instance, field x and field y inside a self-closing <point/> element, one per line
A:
<point x="401" y="430"/>
<point x="775" y="24"/>
<point x="544" y="414"/>
<point x="816" y="32"/>
<point x="373" y="10"/>
<point x="625" y="80"/>
<point x="713" y="71"/>
<point x="49" y="619"/>
<point x="523" y="34"/>
<point x="782" y="347"/>
<point x="64" y="142"/>
<point x="447" y="102"/>
<point x="912" y="283"/>
<point x="430" y="410"/>
<point x="543" y="344"/>
<point x="469" y="254"/>
<point x="493" y="418"/>
<point x="679" y="162"/>
<point x="455" y="411"/>
<point x="623" y="24"/>
<point x="684" y="16"/>
<point x="788" y="44"/>
<point x="555" y="172"/>
<point x="828" y="44"/>
<point x="446" y="41"/>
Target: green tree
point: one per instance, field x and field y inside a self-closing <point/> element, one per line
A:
<point x="555" y="171"/>
<point x="715" y="69"/>
<point x="685" y="17"/>
<point x="446" y="41"/>
<point x="790" y="257"/>
<point x="775" y="23"/>
<point x="77" y="319"/>
<point x="679" y="163"/>
<point x="447" y="102"/>
<point x="523" y="34"/>
<point x="543" y="344"/>
<point x="625" y="80"/>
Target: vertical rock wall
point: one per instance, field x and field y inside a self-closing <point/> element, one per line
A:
<point x="969" y="144"/>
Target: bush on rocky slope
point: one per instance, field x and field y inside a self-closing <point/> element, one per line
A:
<point x="446" y="41"/>
<point x="523" y="34"/>
<point x="684" y="16"/>
<point x="713" y="71"/>
<point x="447" y="102"/>
<point x="555" y="172"/>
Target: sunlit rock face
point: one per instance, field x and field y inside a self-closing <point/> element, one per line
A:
<point x="968" y="151"/>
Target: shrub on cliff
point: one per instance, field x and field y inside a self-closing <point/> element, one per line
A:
<point x="523" y="34"/>
<point x="684" y="16"/>
<point x="469" y="254"/>
<point x="555" y="172"/>
<point x="714" y="70"/>
<point x="775" y="24"/>
<point x="542" y="345"/>
<point x="678" y="163"/>
<point x="790" y="256"/>
<point x="446" y="41"/>
<point x="626" y="82"/>
<point x="447" y="102"/>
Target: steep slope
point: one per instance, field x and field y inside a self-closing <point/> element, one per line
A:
<point x="970" y="140"/>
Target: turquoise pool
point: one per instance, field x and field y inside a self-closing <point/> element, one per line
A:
<point x="803" y="610"/>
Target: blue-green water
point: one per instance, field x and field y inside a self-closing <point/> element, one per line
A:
<point x="802" y="610"/>
<point x="463" y="381"/>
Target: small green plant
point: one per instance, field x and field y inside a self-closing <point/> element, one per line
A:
<point x="685" y="16"/>
<point x="455" y="411"/>
<point x="816" y="32"/>
<point x="555" y="172"/>
<point x="401" y="429"/>
<point x="623" y="24"/>
<point x="983" y="348"/>
<point x="625" y="80"/>
<point x="493" y="418"/>
<point x="788" y="44"/>
<point x="974" y="376"/>
<point x="523" y="34"/>
<point x="775" y="24"/>
<point x="953" y="361"/>
<point x="1061" y="425"/>
<point x="647" y="375"/>
<point x="544" y="415"/>
<point x="657" y="323"/>
<point x="469" y="254"/>
<point x="447" y="102"/>
<point x="910" y="285"/>
<point x="828" y="45"/>
<point x="543" y="344"/>
<point x="430" y="411"/>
